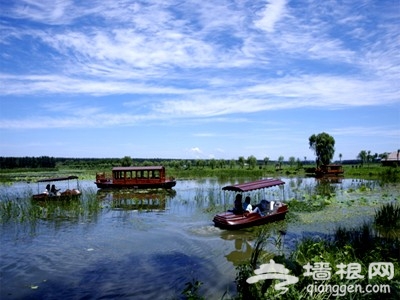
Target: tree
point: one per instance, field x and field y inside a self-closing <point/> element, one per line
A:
<point x="213" y="163"/>
<point x="232" y="163"/>
<point x="280" y="160"/>
<point x="266" y="160"/>
<point x="252" y="161"/>
<point x="362" y="156"/>
<point x="324" y="147"/>
<point x="200" y="163"/>
<point x="292" y="160"/>
<point x="126" y="161"/>
<point x="241" y="161"/>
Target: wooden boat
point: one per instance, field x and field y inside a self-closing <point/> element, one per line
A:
<point x="274" y="210"/>
<point x="135" y="177"/>
<point x="51" y="193"/>
<point x="329" y="170"/>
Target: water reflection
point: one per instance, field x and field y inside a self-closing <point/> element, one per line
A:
<point x="243" y="240"/>
<point x="102" y="246"/>
<point x="242" y="252"/>
<point x="141" y="200"/>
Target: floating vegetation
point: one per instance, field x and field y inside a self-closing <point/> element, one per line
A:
<point x="309" y="204"/>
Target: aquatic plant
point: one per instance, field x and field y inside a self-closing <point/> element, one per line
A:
<point x="191" y="291"/>
<point x="361" y="246"/>
<point x="387" y="220"/>
<point x="316" y="203"/>
<point x="388" y="216"/>
<point x="20" y="208"/>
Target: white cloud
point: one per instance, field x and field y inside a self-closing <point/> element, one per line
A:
<point x="272" y="13"/>
<point x="370" y="131"/>
<point x="200" y="60"/>
<point x="55" y="12"/>
<point x="196" y="150"/>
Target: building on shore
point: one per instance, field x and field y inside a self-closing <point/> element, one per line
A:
<point x="393" y="159"/>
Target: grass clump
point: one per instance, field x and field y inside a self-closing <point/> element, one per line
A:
<point x="355" y="248"/>
<point x="387" y="221"/>
<point x="388" y="216"/>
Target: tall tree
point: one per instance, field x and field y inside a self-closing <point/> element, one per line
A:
<point x="324" y="147"/>
<point x="252" y="161"/>
<point x="362" y="156"/>
<point x="126" y="161"/>
<point x="280" y="160"/>
<point x="241" y="161"/>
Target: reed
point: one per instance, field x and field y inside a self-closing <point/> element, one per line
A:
<point x="21" y="209"/>
<point x="387" y="220"/>
<point x="362" y="245"/>
<point x="388" y="216"/>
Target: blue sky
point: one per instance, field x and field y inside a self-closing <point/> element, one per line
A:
<point x="198" y="79"/>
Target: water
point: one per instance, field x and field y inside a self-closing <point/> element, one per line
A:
<point x="127" y="250"/>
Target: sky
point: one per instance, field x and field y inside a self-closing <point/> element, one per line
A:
<point x="198" y="79"/>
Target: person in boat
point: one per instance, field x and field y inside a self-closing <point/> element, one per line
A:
<point x="249" y="207"/>
<point x="238" y="207"/>
<point x="53" y="191"/>
<point x="264" y="205"/>
<point x="47" y="190"/>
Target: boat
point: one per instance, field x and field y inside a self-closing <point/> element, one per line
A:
<point x="53" y="194"/>
<point x="329" y="170"/>
<point x="271" y="211"/>
<point x="149" y="177"/>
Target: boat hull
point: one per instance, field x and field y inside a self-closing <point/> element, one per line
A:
<point x="65" y="196"/>
<point x="230" y="220"/>
<point x="148" y="185"/>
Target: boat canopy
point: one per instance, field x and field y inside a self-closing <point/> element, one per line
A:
<point x="145" y="168"/>
<point x="253" y="185"/>
<point x="58" y="179"/>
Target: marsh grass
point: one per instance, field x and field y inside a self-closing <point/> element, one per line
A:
<point x="210" y="199"/>
<point x="20" y="208"/>
<point x="361" y="245"/>
<point x="388" y="216"/>
<point x="387" y="220"/>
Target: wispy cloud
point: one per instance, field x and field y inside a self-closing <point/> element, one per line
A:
<point x="196" y="59"/>
<point x="272" y="13"/>
<point x="370" y="131"/>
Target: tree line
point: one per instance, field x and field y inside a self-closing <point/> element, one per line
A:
<point x="48" y="162"/>
<point x="322" y="144"/>
<point x="43" y="162"/>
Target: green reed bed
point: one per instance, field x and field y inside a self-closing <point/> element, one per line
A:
<point x="387" y="220"/>
<point x="362" y="245"/>
<point x="19" y="207"/>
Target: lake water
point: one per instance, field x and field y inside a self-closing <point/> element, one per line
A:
<point x="150" y="247"/>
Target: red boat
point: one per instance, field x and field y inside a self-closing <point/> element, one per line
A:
<point x="151" y="177"/>
<point x="271" y="211"/>
<point x="329" y="170"/>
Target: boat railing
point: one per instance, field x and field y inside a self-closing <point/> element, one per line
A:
<point x="102" y="177"/>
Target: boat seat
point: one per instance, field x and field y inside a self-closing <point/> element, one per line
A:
<point x="264" y="205"/>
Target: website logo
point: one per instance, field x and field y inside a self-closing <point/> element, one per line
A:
<point x="274" y="271"/>
<point x="322" y="272"/>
